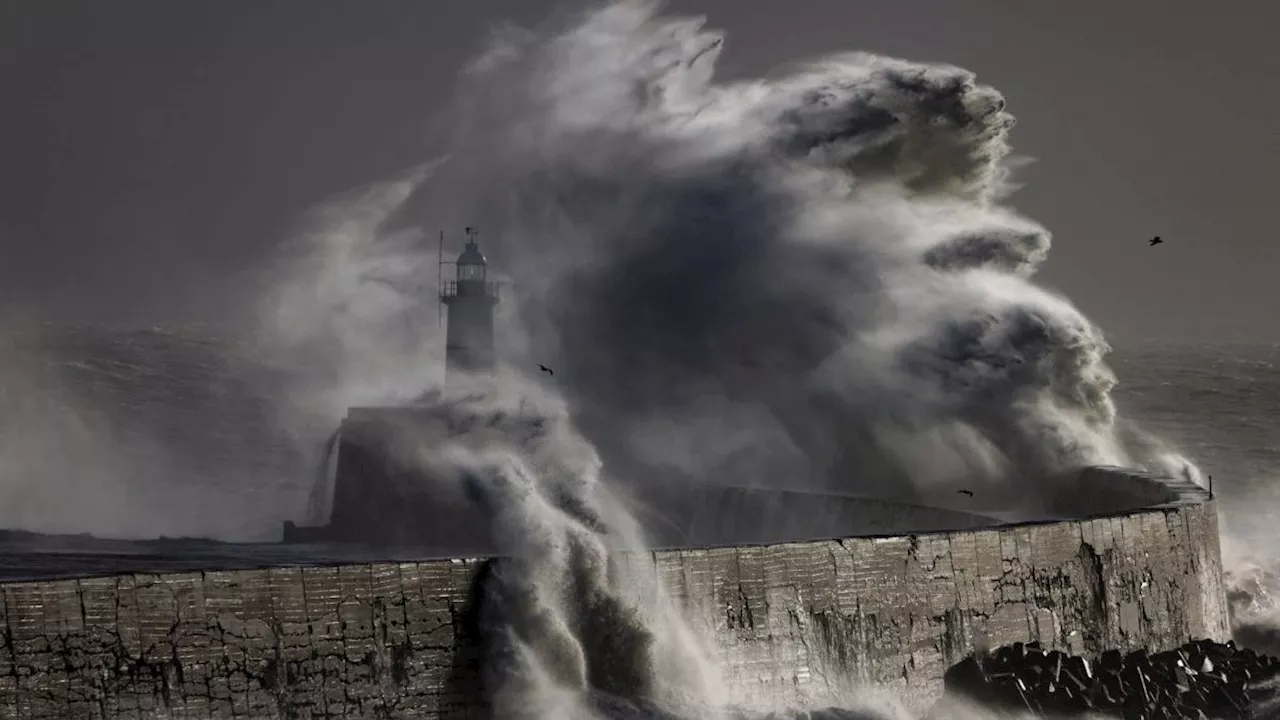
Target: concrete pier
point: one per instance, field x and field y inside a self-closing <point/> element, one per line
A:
<point x="802" y="623"/>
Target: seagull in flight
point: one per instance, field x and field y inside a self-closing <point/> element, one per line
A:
<point x="546" y="369"/>
<point x="1155" y="241"/>
<point x="965" y="492"/>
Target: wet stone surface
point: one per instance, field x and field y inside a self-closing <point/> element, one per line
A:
<point x="806" y="625"/>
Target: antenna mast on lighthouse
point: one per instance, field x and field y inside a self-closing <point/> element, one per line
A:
<point x="440" y="282"/>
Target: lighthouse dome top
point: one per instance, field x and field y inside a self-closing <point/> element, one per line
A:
<point x="471" y="255"/>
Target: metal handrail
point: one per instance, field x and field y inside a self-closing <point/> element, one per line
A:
<point x="450" y="288"/>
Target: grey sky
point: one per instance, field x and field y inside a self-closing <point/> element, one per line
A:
<point x="149" y="149"/>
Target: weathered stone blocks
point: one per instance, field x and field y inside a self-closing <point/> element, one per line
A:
<point x="792" y="624"/>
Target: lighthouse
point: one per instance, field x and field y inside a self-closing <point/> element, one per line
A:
<point x="470" y="298"/>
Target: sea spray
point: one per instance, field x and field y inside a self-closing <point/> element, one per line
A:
<point x="139" y="433"/>
<point x="813" y="279"/>
<point x="824" y="257"/>
<point x="341" y="308"/>
<point x="338" y="311"/>
<point x="560" y="634"/>
<point x="574" y="620"/>
<point x="1252" y="578"/>
<point x="320" y="499"/>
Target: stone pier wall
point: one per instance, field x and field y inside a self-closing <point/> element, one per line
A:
<point x="801" y="623"/>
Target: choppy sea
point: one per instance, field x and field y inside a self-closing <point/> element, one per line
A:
<point x="1218" y="404"/>
<point x="162" y="432"/>
<point x="159" y="432"/>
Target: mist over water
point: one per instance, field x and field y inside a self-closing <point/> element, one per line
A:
<point x="141" y="433"/>
<point x="805" y="280"/>
<point x="822" y="256"/>
<point x="809" y="279"/>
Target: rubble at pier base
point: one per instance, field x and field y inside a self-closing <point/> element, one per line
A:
<point x="1201" y="679"/>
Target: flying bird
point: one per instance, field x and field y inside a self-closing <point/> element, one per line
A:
<point x="1155" y="241"/>
<point x="546" y="369"/>
<point x="965" y="492"/>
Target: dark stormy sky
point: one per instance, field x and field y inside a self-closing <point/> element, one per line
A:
<point x="150" y="149"/>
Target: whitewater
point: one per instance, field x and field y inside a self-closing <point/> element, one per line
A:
<point x="777" y="280"/>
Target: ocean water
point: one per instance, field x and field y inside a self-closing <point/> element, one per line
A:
<point x="1219" y="405"/>
<point x="191" y="430"/>
<point x="150" y="432"/>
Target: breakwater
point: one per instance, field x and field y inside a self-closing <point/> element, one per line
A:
<point x="791" y="624"/>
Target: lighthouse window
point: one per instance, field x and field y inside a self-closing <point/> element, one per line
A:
<point x="470" y="272"/>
